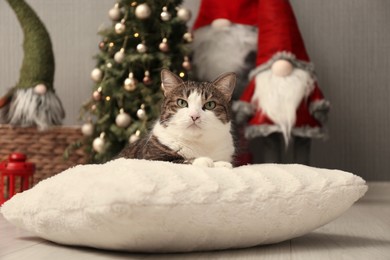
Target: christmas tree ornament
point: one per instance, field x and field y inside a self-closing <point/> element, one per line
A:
<point x="111" y="46"/>
<point x="98" y="143"/>
<point x="163" y="46"/>
<point x="93" y="108"/>
<point x="143" y="11"/>
<point x="97" y="96"/>
<point x="147" y="80"/>
<point x="141" y="113"/>
<point x="123" y="119"/>
<point x="184" y="14"/>
<point x="130" y="83"/>
<point x="21" y="106"/>
<point x="135" y="137"/>
<point x="186" y="63"/>
<point x="119" y="57"/>
<point x="87" y="129"/>
<point x="97" y="75"/>
<point x="120" y="27"/>
<point x="141" y="47"/>
<point x="102" y="46"/>
<point x="188" y="37"/>
<point x="115" y="13"/>
<point x="165" y="15"/>
<point x="40" y="89"/>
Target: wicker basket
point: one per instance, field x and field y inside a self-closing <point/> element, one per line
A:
<point x="44" y="148"/>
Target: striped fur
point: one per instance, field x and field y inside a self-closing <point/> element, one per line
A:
<point x="185" y="133"/>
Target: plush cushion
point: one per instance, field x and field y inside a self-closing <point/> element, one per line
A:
<point x="153" y="206"/>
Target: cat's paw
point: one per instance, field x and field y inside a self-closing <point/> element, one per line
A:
<point x="223" y="164"/>
<point x="203" y="162"/>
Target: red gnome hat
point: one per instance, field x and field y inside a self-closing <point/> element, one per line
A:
<point x="237" y="11"/>
<point x="279" y="36"/>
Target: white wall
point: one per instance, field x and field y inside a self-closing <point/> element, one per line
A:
<point x="348" y="41"/>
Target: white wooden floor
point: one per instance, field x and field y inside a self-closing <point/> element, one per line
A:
<point x="363" y="232"/>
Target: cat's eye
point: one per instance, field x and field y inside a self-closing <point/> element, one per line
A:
<point x="182" y="103"/>
<point x="209" y="105"/>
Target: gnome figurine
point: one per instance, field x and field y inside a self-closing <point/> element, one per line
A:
<point x="282" y="105"/>
<point x="32" y="102"/>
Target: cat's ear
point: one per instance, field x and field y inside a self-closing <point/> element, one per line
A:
<point x="169" y="81"/>
<point x="226" y="83"/>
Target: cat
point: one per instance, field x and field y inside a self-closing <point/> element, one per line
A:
<point x="194" y="125"/>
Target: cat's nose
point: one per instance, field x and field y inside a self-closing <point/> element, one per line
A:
<point x="194" y="118"/>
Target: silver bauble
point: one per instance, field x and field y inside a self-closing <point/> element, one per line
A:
<point x="142" y="11"/>
<point x="141" y="113"/>
<point x="87" y="129"/>
<point x="123" y="119"/>
<point x="119" y="57"/>
<point x="120" y="28"/>
<point x="98" y="144"/>
<point x="96" y="74"/>
<point x="141" y="48"/>
<point x="184" y="14"/>
<point x="165" y="15"/>
<point x="115" y="13"/>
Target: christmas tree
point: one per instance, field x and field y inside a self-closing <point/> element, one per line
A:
<point x="145" y="37"/>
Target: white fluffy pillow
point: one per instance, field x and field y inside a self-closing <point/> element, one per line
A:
<point x="153" y="206"/>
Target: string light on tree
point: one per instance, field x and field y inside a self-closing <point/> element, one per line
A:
<point x="111" y="46"/>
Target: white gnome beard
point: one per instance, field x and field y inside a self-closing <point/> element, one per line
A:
<point x="279" y="97"/>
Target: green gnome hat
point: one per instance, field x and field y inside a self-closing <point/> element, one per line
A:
<point x="33" y="102"/>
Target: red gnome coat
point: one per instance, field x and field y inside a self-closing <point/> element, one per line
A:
<point x="280" y="39"/>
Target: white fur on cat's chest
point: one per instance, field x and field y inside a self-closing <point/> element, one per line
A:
<point x="217" y="144"/>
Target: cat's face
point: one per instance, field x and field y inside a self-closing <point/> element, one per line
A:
<point x="194" y="107"/>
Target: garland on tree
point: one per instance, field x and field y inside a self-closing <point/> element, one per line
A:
<point x="32" y="102"/>
<point x="145" y="37"/>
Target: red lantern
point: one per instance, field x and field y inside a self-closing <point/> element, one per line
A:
<point x="13" y="169"/>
